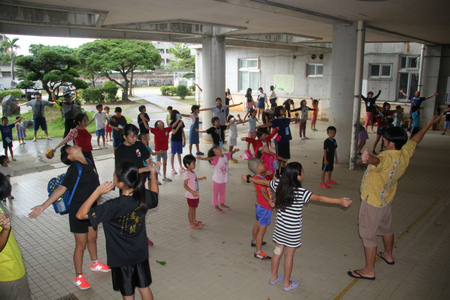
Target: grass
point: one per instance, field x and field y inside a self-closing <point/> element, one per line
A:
<point x="187" y="100"/>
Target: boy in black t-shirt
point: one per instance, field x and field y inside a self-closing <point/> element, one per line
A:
<point x="329" y="157"/>
<point x="143" y="119"/>
<point x="117" y="122"/>
<point x="217" y="132"/>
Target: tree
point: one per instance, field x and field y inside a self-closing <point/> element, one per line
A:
<point x="122" y="56"/>
<point x="51" y="66"/>
<point x="184" y="59"/>
<point x="9" y="45"/>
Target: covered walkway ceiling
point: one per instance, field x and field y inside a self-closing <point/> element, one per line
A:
<point x="287" y="24"/>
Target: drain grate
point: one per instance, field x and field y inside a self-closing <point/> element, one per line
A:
<point x="68" y="297"/>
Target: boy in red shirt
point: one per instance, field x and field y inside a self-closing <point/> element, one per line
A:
<point x="262" y="135"/>
<point x="264" y="207"/>
<point x="162" y="143"/>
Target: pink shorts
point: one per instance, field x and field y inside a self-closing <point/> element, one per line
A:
<point x="313" y="119"/>
<point x="251" y="135"/>
<point x="192" y="202"/>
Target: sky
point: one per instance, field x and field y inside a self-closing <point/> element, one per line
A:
<point x="26" y="40"/>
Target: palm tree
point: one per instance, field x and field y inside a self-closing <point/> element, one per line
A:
<point x="9" y="45"/>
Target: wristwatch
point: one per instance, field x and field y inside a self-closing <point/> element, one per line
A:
<point x="248" y="178"/>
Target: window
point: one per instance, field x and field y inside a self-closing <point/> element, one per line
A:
<point x="410" y="62"/>
<point x="248" y="74"/>
<point x="380" y="71"/>
<point x="314" y="70"/>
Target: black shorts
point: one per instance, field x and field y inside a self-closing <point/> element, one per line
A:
<point x="328" y="168"/>
<point x="415" y="130"/>
<point x="283" y="150"/>
<point x="7" y="144"/>
<point x="126" y="279"/>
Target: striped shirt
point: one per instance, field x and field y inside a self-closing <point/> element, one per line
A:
<point x="288" y="225"/>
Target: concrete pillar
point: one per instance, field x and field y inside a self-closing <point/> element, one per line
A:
<point x="430" y="77"/>
<point x="342" y="86"/>
<point x="213" y="74"/>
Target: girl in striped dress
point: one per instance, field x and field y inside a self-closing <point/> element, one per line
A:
<point x="290" y="198"/>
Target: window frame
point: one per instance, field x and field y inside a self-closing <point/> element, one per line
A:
<point x="380" y="71"/>
<point x="246" y="70"/>
<point x="316" y="74"/>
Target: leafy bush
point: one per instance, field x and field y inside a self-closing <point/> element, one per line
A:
<point x="192" y="89"/>
<point x="110" y="89"/>
<point x="173" y="90"/>
<point x="15" y="93"/>
<point x="165" y="90"/>
<point x="182" y="91"/>
<point x="93" y="95"/>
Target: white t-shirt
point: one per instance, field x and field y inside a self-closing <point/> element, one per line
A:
<point x="233" y="129"/>
<point x="99" y="120"/>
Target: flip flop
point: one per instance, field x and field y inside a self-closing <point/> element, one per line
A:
<point x="167" y="179"/>
<point x="280" y="277"/>
<point x="380" y="255"/>
<point x="350" y="273"/>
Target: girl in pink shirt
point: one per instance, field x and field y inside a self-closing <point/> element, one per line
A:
<point x="220" y="177"/>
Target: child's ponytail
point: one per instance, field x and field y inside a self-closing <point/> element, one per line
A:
<point x="128" y="173"/>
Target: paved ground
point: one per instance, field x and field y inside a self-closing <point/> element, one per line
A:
<point x="217" y="261"/>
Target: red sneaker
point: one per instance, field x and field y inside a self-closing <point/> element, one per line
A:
<point x="331" y="182"/>
<point x="324" y="185"/>
<point x="81" y="282"/>
<point x="100" y="267"/>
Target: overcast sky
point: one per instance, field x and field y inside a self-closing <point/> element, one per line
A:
<point x="26" y="40"/>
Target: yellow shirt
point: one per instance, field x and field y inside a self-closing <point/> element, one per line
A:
<point x="379" y="183"/>
<point x="11" y="263"/>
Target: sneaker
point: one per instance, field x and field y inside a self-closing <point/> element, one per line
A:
<point x="253" y="244"/>
<point x="301" y="139"/>
<point x="182" y="170"/>
<point x="81" y="282"/>
<point x="200" y="153"/>
<point x="331" y="182"/>
<point x="324" y="185"/>
<point x="306" y="138"/>
<point x="100" y="267"/>
<point x="173" y="172"/>
<point x="261" y="256"/>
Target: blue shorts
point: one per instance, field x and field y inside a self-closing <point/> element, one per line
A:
<point x="261" y="104"/>
<point x="381" y="130"/>
<point x="117" y="142"/>
<point x="447" y="125"/>
<point x="263" y="215"/>
<point x="176" y="147"/>
<point x="39" y="122"/>
<point x="100" y="132"/>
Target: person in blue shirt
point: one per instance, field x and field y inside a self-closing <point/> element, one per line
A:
<point x="415" y="101"/>
<point x="6" y="130"/>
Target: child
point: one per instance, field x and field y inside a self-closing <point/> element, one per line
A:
<point x="248" y="103"/>
<point x="108" y="129"/>
<point x="220" y="177"/>
<point x="303" y="118"/>
<point x="217" y="132"/>
<point x="193" y="133"/>
<point x="262" y="136"/>
<point x="123" y="221"/>
<point x="232" y="138"/>
<point x="287" y="106"/>
<point x="100" y="122"/>
<point x="85" y="233"/>
<point x="143" y="119"/>
<point x="398" y="116"/>
<point x="169" y="115"/>
<point x="287" y="234"/>
<point x="262" y="101"/>
<point x="6" y="170"/>
<point x="162" y="144"/>
<point x="329" y="157"/>
<point x="273" y="96"/>
<point x="251" y="125"/>
<point x="447" y="119"/>
<point x="382" y="124"/>
<point x="7" y="137"/>
<point x="371" y="108"/>
<point x="117" y="122"/>
<point x="415" y="115"/>
<point x="177" y="141"/>
<point x="191" y="186"/>
<point x="264" y="205"/>
<point x="20" y="129"/>
<point x="144" y="140"/>
<point x="362" y="138"/>
<point x="315" y="106"/>
<point x="270" y="161"/>
<point x="297" y="116"/>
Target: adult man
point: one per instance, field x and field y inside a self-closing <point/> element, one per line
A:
<point x="220" y="110"/>
<point x="378" y="188"/>
<point x="67" y="109"/>
<point x="38" y="107"/>
<point x="415" y="102"/>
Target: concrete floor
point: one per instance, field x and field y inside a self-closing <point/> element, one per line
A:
<point x="217" y="261"/>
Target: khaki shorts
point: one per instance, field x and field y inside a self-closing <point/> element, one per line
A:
<point x="374" y="221"/>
